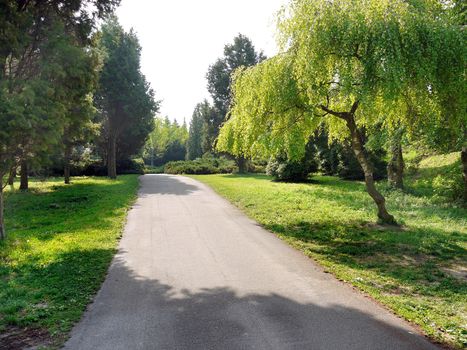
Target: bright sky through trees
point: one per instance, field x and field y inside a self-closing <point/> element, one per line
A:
<point x="181" y="38"/>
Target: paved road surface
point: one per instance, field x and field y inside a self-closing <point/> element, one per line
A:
<point x="193" y="272"/>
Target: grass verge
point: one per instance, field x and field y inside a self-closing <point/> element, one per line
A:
<point x="61" y="239"/>
<point x="418" y="271"/>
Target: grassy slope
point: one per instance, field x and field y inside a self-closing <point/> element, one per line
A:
<point x="437" y="177"/>
<point x="60" y="242"/>
<point x="331" y="221"/>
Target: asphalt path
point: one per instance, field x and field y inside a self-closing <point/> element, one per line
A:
<point x="193" y="272"/>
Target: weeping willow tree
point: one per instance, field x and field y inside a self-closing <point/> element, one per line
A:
<point x="349" y="65"/>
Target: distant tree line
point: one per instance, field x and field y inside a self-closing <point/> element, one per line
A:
<point x="167" y="142"/>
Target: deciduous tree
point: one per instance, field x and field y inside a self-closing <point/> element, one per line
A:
<point x="166" y="142"/>
<point x="346" y="65"/>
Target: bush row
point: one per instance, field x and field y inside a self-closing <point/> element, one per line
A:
<point x="93" y="168"/>
<point x="201" y="166"/>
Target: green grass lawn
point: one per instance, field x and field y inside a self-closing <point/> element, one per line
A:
<point x="61" y="239"/>
<point x="416" y="271"/>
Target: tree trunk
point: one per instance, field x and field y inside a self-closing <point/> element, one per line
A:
<point x="360" y="154"/>
<point x="112" y="156"/>
<point x="396" y="163"/>
<point x="2" y="224"/>
<point x="11" y="176"/>
<point x="464" y="171"/>
<point x="66" y="166"/>
<point x="242" y="165"/>
<point x="24" y="180"/>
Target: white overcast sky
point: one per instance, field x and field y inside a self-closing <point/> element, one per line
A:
<point x="181" y="38"/>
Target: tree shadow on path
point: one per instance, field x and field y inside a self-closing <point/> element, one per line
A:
<point x="138" y="312"/>
<point x="165" y="185"/>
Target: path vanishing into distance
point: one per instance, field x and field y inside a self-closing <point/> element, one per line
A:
<point x="193" y="272"/>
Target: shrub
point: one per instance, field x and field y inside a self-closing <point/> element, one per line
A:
<point x="348" y="167"/>
<point x="257" y="166"/>
<point x="448" y="185"/>
<point x="439" y="176"/>
<point x="339" y="159"/>
<point x="154" y="169"/>
<point x="283" y="169"/>
<point x="96" y="168"/>
<point x="286" y="170"/>
<point x="206" y="165"/>
<point x="130" y="166"/>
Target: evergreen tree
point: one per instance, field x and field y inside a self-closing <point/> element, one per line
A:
<point x="43" y="63"/>
<point x="212" y="121"/>
<point x="197" y="131"/>
<point x="125" y="100"/>
<point x="241" y="53"/>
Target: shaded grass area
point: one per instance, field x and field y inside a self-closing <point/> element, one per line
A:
<point x="417" y="271"/>
<point x="60" y="242"/>
<point x="438" y="177"/>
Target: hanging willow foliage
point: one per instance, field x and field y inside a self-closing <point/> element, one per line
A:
<point x="347" y="65"/>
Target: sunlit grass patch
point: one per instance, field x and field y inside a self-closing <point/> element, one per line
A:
<point x="61" y="239"/>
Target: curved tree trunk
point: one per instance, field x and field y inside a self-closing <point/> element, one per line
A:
<point x="112" y="156"/>
<point x="360" y="154"/>
<point x="396" y="163"/>
<point x="362" y="158"/>
<point x="24" y="179"/>
<point x="464" y="171"/>
<point x="66" y="166"/>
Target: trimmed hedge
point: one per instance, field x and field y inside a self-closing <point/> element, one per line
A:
<point x="201" y="166"/>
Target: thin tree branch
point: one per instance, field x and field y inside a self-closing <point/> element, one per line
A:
<point x="354" y="107"/>
<point x="341" y="115"/>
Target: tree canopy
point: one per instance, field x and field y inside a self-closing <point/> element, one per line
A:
<point x="401" y="62"/>
<point x="240" y="53"/>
